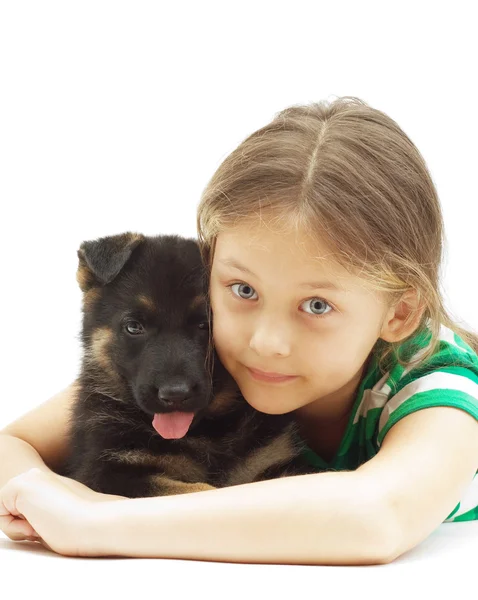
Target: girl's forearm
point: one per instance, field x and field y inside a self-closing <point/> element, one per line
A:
<point x="17" y="456"/>
<point x="325" y="518"/>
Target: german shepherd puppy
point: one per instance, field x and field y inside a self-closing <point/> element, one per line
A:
<point x="156" y="412"/>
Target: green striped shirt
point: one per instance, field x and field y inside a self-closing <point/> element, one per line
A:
<point x="448" y="378"/>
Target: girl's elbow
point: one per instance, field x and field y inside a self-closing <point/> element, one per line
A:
<point x="384" y="534"/>
<point x="389" y="546"/>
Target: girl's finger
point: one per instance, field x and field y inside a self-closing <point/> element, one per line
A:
<point x="17" y="529"/>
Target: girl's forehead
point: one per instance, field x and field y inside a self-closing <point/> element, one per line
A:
<point x="266" y="251"/>
<point x="263" y="250"/>
<point x="262" y="239"/>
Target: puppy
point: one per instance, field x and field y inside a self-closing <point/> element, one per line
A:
<point x="156" y="413"/>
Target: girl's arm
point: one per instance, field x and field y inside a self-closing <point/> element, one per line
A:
<point x="426" y="462"/>
<point x="41" y="437"/>
<point x="368" y="516"/>
<point x="324" y="518"/>
<point x="17" y="456"/>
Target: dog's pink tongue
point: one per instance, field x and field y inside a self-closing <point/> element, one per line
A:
<point x="173" y="425"/>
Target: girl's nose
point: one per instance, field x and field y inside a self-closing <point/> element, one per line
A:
<point x="270" y="340"/>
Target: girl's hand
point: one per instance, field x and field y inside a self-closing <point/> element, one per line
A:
<point x="87" y="493"/>
<point x="54" y="510"/>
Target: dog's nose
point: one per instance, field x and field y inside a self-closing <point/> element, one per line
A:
<point x="175" y="393"/>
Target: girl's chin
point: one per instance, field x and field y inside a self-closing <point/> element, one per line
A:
<point x="267" y="408"/>
<point x="267" y="402"/>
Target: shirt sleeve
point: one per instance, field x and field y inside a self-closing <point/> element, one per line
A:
<point x="454" y="386"/>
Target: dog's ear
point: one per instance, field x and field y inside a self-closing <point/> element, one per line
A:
<point x="101" y="260"/>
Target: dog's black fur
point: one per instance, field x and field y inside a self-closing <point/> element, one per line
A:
<point x="145" y="337"/>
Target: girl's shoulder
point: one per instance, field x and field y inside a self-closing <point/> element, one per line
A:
<point x="449" y="377"/>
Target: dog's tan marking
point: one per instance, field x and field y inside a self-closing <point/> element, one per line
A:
<point x="147" y="303"/>
<point x="84" y="277"/>
<point x="177" y="465"/>
<point x="170" y="487"/>
<point x="134" y="237"/>
<point x="280" y="449"/>
<point x="90" y="297"/>
<point x="98" y="350"/>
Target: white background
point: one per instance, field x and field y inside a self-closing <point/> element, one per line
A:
<point x="114" y="115"/>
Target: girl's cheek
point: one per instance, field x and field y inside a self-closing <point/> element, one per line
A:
<point x="221" y="329"/>
<point x="228" y="319"/>
<point x="226" y="329"/>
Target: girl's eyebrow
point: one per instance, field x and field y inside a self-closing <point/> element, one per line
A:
<point x="323" y="285"/>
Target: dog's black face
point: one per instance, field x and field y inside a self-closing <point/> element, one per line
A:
<point x="145" y="328"/>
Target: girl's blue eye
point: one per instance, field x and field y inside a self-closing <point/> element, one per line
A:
<point x="317" y="304"/>
<point x="246" y="292"/>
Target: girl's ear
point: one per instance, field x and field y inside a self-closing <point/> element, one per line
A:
<point x="403" y="317"/>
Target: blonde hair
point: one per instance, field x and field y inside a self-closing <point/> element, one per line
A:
<point x="347" y="172"/>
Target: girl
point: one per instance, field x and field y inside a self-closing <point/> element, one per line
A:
<point x="323" y="235"/>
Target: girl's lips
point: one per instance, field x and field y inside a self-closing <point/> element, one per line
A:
<point x="270" y="377"/>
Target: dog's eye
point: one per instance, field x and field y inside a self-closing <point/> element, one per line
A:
<point x="134" y="328"/>
<point x="203" y="325"/>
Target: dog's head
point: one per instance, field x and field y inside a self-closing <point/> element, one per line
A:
<point x="145" y="325"/>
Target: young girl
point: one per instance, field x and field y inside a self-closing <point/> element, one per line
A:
<point x="323" y="234"/>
